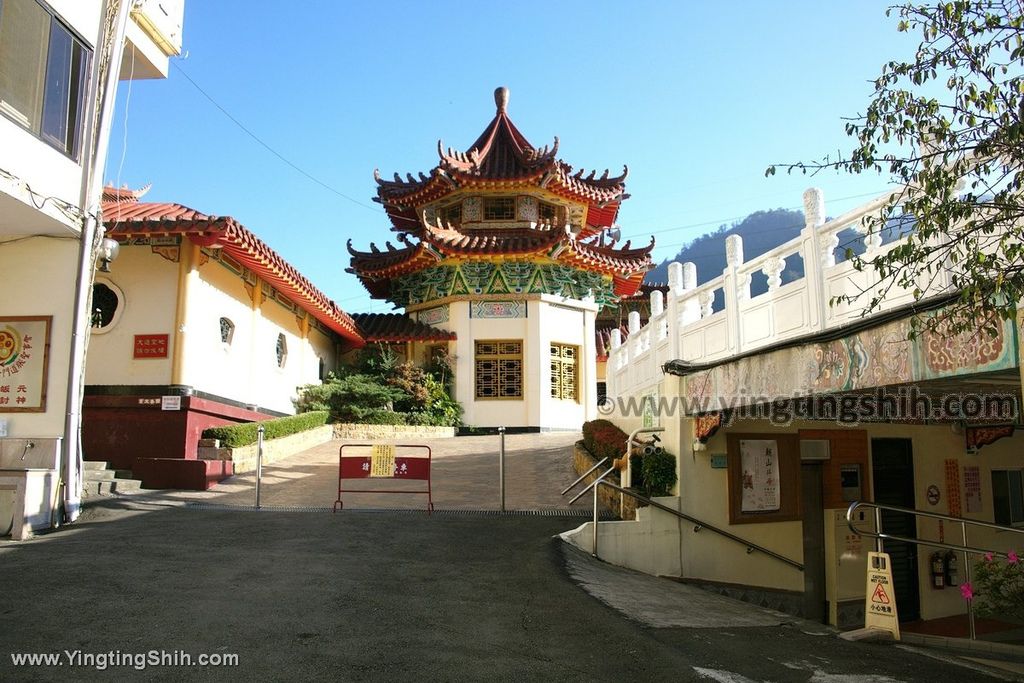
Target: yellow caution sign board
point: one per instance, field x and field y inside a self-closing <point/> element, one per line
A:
<point x="382" y="460"/>
<point x="880" y="599"/>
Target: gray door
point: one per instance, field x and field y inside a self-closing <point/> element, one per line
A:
<point x="892" y="467"/>
<point x="815" y="606"/>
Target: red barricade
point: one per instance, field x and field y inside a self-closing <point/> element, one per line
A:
<point x="406" y="467"/>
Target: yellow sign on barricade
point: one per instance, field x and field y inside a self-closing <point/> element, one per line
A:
<point x="382" y="460"/>
<point x="880" y="599"/>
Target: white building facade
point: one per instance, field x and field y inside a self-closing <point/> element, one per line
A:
<point x="56" y="103"/>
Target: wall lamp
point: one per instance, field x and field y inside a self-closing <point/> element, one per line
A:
<point x="106" y="253"/>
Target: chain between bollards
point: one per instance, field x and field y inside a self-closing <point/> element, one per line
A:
<point x="259" y="462"/>
<point x="501" y="465"/>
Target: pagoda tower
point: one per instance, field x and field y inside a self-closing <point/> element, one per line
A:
<point x="508" y="249"/>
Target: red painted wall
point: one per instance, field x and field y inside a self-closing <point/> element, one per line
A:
<point x="122" y="429"/>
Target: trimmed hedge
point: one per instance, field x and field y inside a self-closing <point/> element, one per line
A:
<point x="603" y="439"/>
<point x="244" y="434"/>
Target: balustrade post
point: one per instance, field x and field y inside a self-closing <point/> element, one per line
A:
<point x="730" y="278"/>
<point x="818" y="253"/>
<point x="690" y="309"/>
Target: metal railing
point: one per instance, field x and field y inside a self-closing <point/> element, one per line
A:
<point x="699" y="525"/>
<point x="623" y="491"/>
<point x="584" y="476"/>
<point x="879" y="535"/>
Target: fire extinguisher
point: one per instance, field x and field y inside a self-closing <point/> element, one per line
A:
<point x="938" y="570"/>
<point x="952" y="576"/>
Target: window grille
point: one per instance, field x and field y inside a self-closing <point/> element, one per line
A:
<point x="565" y="372"/>
<point x="499" y="369"/>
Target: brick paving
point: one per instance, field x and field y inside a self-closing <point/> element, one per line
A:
<point x="464" y="473"/>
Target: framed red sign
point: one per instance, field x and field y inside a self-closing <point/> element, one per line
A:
<point x="151" y="346"/>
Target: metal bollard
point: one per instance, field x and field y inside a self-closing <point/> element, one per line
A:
<point x="501" y="465"/>
<point x="259" y="462"/>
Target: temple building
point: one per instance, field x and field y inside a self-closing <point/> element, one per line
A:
<point x="513" y="254"/>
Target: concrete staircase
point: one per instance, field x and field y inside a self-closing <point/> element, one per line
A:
<point x="100" y="480"/>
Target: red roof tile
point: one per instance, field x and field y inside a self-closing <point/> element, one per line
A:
<point x="500" y="156"/>
<point x="375" y="268"/>
<point x="137" y="219"/>
<point x="397" y="327"/>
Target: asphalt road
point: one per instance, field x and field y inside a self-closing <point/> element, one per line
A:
<point x="362" y="596"/>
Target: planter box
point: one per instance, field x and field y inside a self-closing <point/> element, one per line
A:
<point x="244" y="458"/>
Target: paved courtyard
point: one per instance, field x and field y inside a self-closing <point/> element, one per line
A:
<point x="465" y="476"/>
<point x="143" y="586"/>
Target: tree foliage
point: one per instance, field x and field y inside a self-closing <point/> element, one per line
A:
<point x="947" y="127"/>
<point x="379" y="388"/>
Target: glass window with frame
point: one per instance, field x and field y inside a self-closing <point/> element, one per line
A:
<point x="452" y="214"/>
<point x="43" y="73"/>
<point x="565" y="372"/>
<point x="1008" y="497"/>
<point x="499" y="208"/>
<point x="499" y="369"/>
<point x="547" y="212"/>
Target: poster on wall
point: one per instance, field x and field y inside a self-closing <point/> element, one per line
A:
<point x="24" y="355"/>
<point x="759" y="460"/>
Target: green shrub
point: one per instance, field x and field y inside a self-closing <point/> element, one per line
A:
<point x="998" y="587"/>
<point x="246" y="433"/>
<point x="385" y="393"/>
<point x="604" y="440"/>
<point x="659" y="473"/>
<point x="353" y="398"/>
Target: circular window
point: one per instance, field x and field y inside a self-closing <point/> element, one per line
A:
<point x="107" y="305"/>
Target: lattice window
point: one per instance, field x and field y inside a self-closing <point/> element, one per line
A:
<point x="499" y="208"/>
<point x="499" y="369"/>
<point x="452" y="214"/>
<point x="547" y="212"/>
<point x="282" y="351"/>
<point x="565" y="372"/>
<point x="227" y="330"/>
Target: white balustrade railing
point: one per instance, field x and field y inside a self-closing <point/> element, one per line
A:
<point x="685" y="324"/>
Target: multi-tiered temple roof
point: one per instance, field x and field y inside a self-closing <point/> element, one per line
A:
<point x="557" y="220"/>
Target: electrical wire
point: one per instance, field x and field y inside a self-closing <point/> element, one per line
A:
<point x="270" y="149"/>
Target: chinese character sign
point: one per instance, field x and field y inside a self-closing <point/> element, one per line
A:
<point x="759" y="460"/>
<point x="382" y="460"/>
<point x="150" y="346"/>
<point x="24" y="354"/>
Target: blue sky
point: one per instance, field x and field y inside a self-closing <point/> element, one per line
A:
<point x="696" y="98"/>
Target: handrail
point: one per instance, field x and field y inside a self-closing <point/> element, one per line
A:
<point x="751" y="547"/>
<point x="584" y="476"/>
<point x="592" y="485"/>
<point x="966" y="549"/>
<point x="851" y="523"/>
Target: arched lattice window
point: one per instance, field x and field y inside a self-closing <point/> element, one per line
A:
<point x="282" y="350"/>
<point x="227" y="330"/>
<point x="107" y="305"/>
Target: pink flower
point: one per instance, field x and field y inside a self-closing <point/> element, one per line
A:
<point x="1011" y="557"/>
<point x="988" y="557"/>
<point x="967" y="591"/>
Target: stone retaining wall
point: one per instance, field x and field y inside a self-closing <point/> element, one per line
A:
<point x="607" y="499"/>
<point x="390" y="432"/>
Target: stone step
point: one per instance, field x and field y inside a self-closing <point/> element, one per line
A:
<point x="111" y="486"/>
<point x="98" y="475"/>
<point x="89" y="465"/>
